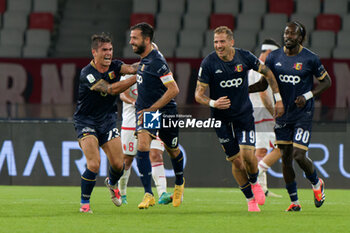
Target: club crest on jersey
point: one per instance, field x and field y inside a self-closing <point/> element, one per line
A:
<point x="239" y="68"/>
<point x="111" y="75"/>
<point x="298" y="66"/>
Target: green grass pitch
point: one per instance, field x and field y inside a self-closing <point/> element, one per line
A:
<point x="56" y="209"/>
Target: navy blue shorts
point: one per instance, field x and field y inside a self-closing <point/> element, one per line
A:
<point x="298" y="134"/>
<point x="103" y="132"/>
<point x="234" y="133"/>
<point x="169" y="135"/>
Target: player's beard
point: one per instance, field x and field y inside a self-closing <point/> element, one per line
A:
<point x="291" y="45"/>
<point x="140" y="48"/>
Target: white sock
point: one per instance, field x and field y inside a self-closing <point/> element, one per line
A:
<point x="123" y="182"/>
<point x="159" y="178"/>
<point x="296" y="202"/>
<point x="263" y="167"/>
<point x="317" y="186"/>
<point x="263" y="181"/>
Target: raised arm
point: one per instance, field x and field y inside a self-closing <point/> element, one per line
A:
<point x="221" y="103"/>
<point x="114" y="88"/>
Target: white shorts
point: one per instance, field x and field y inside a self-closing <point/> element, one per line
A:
<point x="265" y="135"/>
<point x="129" y="142"/>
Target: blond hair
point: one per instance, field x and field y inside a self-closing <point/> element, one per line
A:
<point x="226" y="30"/>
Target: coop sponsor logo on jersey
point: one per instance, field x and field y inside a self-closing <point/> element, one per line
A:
<point x="231" y="83"/>
<point x="293" y="79"/>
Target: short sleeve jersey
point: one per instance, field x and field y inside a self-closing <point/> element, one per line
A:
<point x="229" y="79"/>
<point x="294" y="75"/>
<point x="92" y="106"/>
<point x="149" y="84"/>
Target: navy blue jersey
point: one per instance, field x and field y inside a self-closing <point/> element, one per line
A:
<point x="294" y="75"/>
<point x="229" y="79"/>
<point x="149" y="84"/>
<point x="94" y="106"/>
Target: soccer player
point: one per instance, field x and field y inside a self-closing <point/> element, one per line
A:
<point x="95" y="117"/>
<point x="264" y="123"/>
<point x="129" y="145"/>
<point x="156" y="92"/>
<point x="295" y="67"/>
<point x="225" y="72"/>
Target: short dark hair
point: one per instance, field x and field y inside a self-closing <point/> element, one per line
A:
<point x="145" y="28"/>
<point x="226" y="30"/>
<point x="97" y="39"/>
<point x="301" y="29"/>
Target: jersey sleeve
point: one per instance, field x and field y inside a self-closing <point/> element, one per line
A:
<point x="268" y="61"/>
<point x="117" y="65"/>
<point x="253" y="61"/>
<point x="204" y="72"/>
<point x="161" y="69"/>
<point x="88" y="79"/>
<point x="319" y="71"/>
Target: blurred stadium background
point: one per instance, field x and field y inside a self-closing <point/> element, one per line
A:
<point x="45" y="43"/>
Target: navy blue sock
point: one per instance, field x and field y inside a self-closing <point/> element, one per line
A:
<point x="178" y="166"/>
<point x="253" y="177"/>
<point x="313" y="177"/>
<point x="114" y="175"/>
<point x="292" y="191"/>
<point x="247" y="190"/>
<point x="145" y="169"/>
<point x="88" y="181"/>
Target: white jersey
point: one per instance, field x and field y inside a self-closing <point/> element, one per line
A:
<point x="264" y="122"/>
<point x="129" y="118"/>
<point x="129" y="140"/>
<point x="261" y="114"/>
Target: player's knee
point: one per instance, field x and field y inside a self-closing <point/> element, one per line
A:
<point x="118" y="167"/>
<point x="156" y="155"/>
<point x="143" y="146"/>
<point x="260" y="153"/>
<point x="128" y="161"/>
<point x="237" y="162"/>
<point x="93" y="165"/>
<point x="173" y="153"/>
<point x="299" y="155"/>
